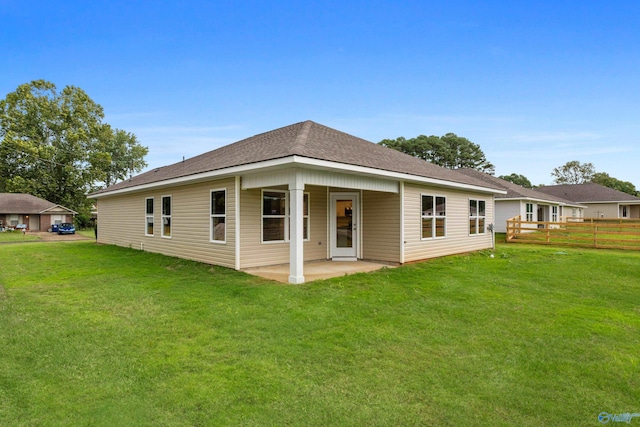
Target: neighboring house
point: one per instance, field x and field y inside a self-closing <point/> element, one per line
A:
<point x="36" y="214"/>
<point x="602" y="202"/>
<point x="529" y="204"/>
<point x="300" y="193"/>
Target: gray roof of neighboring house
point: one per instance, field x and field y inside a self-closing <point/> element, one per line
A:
<point x="305" y="139"/>
<point x="515" y="191"/>
<point x="588" y="193"/>
<point x="20" y="203"/>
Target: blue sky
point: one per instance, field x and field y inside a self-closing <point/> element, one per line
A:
<point x="536" y="84"/>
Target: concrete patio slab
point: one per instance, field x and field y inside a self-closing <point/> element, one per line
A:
<point x="316" y="270"/>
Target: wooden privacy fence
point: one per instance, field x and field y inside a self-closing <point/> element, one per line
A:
<point x="583" y="232"/>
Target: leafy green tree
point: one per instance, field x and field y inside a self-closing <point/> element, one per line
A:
<point x="603" y="178"/>
<point x="517" y="179"/>
<point x="573" y="172"/>
<point x="54" y="145"/>
<point x="450" y="151"/>
<point x="119" y="153"/>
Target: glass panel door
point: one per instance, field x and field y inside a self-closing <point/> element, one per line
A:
<point x="344" y="223"/>
<point x="344" y="227"/>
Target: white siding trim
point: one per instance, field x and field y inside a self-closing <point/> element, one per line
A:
<point x="237" y="218"/>
<point x="402" y="242"/>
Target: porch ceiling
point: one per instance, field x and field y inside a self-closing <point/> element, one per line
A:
<point x="310" y="176"/>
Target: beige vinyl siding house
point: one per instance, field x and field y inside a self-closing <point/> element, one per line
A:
<point x="255" y="253"/>
<point x="529" y="204"/>
<point x="122" y="222"/>
<point x="457" y="237"/>
<point x="381" y="222"/>
<point x="300" y="193"/>
<point x="599" y="201"/>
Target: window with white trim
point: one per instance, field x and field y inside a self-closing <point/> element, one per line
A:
<point x="433" y="216"/>
<point x="554" y="214"/>
<point x="477" y="216"/>
<point x="148" y="231"/>
<point x="218" y="216"/>
<point x="276" y="216"/>
<point x="166" y="216"/>
<point x="529" y="213"/>
<point x="305" y="217"/>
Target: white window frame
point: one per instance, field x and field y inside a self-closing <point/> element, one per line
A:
<point x="148" y="216"/>
<point x="528" y="214"/>
<point x="164" y="216"/>
<point x="434" y="217"/>
<point x="14" y="218"/>
<point x="287" y="232"/>
<point x="215" y="215"/>
<point x="306" y="218"/>
<point x="477" y="217"/>
<point x="285" y="216"/>
<point x="554" y="213"/>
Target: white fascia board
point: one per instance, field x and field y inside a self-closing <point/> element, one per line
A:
<point x="620" y="202"/>
<point x="298" y="160"/>
<point x="188" y="179"/>
<point x="545" y="201"/>
<point x="58" y="206"/>
<point x="533" y="199"/>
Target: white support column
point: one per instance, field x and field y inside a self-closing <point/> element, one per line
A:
<point x="296" y="238"/>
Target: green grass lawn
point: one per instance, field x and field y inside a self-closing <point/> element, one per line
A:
<point x="105" y="336"/>
<point x="17" y="236"/>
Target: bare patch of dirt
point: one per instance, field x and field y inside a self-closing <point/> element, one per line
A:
<point x="55" y="237"/>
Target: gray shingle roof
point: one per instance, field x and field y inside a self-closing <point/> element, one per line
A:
<point x="588" y="193"/>
<point x="305" y="139"/>
<point x="515" y="191"/>
<point x="20" y="203"/>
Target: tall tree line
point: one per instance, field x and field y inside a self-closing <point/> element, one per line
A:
<point x="450" y="151"/>
<point x="55" y="145"/>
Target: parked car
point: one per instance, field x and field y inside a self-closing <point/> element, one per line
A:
<point x="66" y="228"/>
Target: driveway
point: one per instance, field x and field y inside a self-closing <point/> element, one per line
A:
<point x="55" y="237"/>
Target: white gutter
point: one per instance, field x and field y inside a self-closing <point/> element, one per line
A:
<point x="531" y="199"/>
<point x="620" y="202"/>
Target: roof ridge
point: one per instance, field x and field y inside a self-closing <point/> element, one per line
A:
<point x="301" y="139"/>
<point x="305" y="139"/>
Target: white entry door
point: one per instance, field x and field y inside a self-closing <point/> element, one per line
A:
<point x="344" y="226"/>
